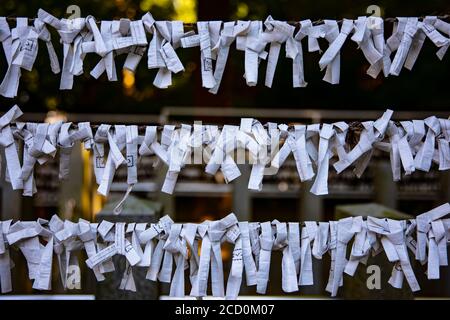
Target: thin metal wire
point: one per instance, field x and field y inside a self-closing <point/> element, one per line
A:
<point x="353" y="126"/>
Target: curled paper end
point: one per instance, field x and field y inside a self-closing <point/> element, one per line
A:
<point x="119" y="207"/>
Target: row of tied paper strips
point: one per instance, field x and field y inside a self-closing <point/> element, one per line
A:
<point x="82" y="35"/>
<point x="412" y="145"/>
<point x="166" y="246"/>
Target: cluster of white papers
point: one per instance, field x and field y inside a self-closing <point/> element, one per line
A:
<point x="169" y="251"/>
<point x="81" y="36"/>
<point x="412" y="145"/>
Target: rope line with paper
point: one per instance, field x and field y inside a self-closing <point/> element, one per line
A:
<point x="83" y="36"/>
<point x="412" y="145"/>
<point x="166" y="249"/>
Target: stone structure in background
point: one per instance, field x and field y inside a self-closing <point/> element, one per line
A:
<point x="134" y="210"/>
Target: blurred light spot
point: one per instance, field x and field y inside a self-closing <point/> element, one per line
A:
<point x="145" y="5"/>
<point x="87" y="181"/>
<point x="55" y="116"/>
<point x="283" y="186"/>
<point x="51" y="103"/>
<point x="225" y="253"/>
<point x="242" y="10"/>
<point x="120" y="4"/>
<point x="128" y="79"/>
<point x="219" y="177"/>
<point x="185" y="10"/>
<point x="97" y="203"/>
<point x="161" y="3"/>
<point x="206" y="217"/>
<point x="33" y="75"/>
<point x="131" y="13"/>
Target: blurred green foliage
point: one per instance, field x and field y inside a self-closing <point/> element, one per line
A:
<point x="425" y="87"/>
